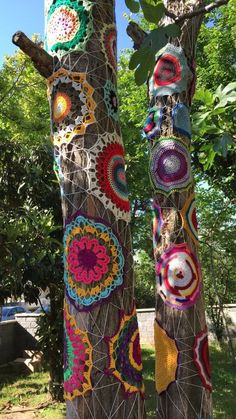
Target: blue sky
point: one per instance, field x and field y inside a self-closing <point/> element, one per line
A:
<point x="28" y="16"/>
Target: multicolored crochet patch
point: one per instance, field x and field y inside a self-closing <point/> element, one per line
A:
<point x="93" y="262"/>
<point x="158" y="222"/>
<point x="167" y="355"/>
<point x="189" y="218"/>
<point x="108" y="181"/>
<point x="201" y="358"/>
<point x="178" y="277"/>
<point x="109" y="46"/>
<point x="169" y="166"/>
<point x="152" y="125"/>
<point x="72" y="105"/>
<point x="111" y="100"/>
<point x="68" y="26"/>
<point x="171" y="73"/>
<point x="181" y="120"/>
<point x="125" y="362"/>
<point x="77" y="358"/>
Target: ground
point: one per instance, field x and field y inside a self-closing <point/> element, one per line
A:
<point x="26" y="397"/>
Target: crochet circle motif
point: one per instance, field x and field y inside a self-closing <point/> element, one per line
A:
<point x="111" y="100"/>
<point x="152" y="125"/>
<point x="109" y="46"/>
<point x="170" y="167"/>
<point x="201" y="358"/>
<point x="125" y="362"/>
<point x="72" y="105"/>
<point x="77" y="358"/>
<point x="178" y="277"/>
<point x="93" y="261"/>
<point x="167" y="70"/>
<point x="157" y="223"/>
<point x="108" y="180"/>
<point x="69" y="25"/>
<point x="189" y="218"/>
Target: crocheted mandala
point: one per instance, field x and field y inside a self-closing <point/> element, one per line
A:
<point x="152" y="125"/>
<point x="189" y="218"/>
<point x="171" y="73"/>
<point x="181" y="120"/>
<point x="77" y="358"/>
<point x="68" y="25"/>
<point x="111" y="100"/>
<point x="125" y="362"/>
<point x="108" y="182"/>
<point x="72" y="105"/>
<point x="157" y="223"/>
<point x="169" y="166"/>
<point x="178" y="277"/>
<point x="109" y="46"/>
<point x="167" y="355"/>
<point x="93" y="262"/>
<point x="201" y="358"/>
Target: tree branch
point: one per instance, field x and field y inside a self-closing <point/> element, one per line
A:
<point x="43" y="62"/>
<point x="136" y="34"/>
<point x="202" y="10"/>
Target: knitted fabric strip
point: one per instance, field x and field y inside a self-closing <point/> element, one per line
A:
<point x="66" y="89"/>
<point x="93" y="260"/>
<point x="169" y="166"/>
<point x="111" y="100"/>
<point x="77" y="358"/>
<point x="201" y="358"/>
<point x="108" y="182"/>
<point x="167" y="358"/>
<point x="124" y="351"/>
<point x="181" y="120"/>
<point x="109" y="46"/>
<point x="68" y="26"/>
<point x="171" y="74"/>
<point x="157" y="223"/>
<point x="189" y="218"/>
<point x="178" y="277"/>
<point x="152" y="125"/>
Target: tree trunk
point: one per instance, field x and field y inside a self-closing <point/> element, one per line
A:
<point x="102" y="362"/>
<point x="183" y="380"/>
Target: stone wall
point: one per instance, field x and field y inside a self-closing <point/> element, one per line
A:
<point x="29" y="322"/>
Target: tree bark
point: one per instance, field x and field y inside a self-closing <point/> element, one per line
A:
<point x="85" y="129"/>
<point x="182" y="372"/>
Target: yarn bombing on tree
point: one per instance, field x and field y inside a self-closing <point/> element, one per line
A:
<point x="181" y="120"/>
<point x="178" y="277"/>
<point x="158" y="223"/>
<point x="201" y="358"/>
<point x="171" y="74"/>
<point x="170" y="167"/>
<point x="109" y="46"/>
<point x="93" y="260"/>
<point x="111" y="100"/>
<point x="77" y="358"/>
<point x="68" y="26"/>
<point x="67" y="90"/>
<point x="189" y="218"/>
<point x="124" y="351"/>
<point x="152" y="125"/>
<point x="167" y="358"/>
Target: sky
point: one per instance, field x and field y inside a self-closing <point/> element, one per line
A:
<point x="28" y="16"/>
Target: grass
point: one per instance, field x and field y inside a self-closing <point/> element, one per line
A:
<point x="32" y="390"/>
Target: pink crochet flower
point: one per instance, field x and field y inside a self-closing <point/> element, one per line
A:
<point x="88" y="260"/>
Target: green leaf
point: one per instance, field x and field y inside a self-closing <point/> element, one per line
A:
<point x="229" y="88"/>
<point x="132" y="5"/>
<point x="152" y="13"/>
<point x="204" y="96"/>
<point x="172" y="30"/>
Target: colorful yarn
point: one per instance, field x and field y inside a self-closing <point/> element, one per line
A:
<point x="152" y="125"/>
<point x="109" y="46"/>
<point x="158" y="222"/>
<point x="111" y="100"/>
<point x="178" y="277"/>
<point x="108" y="181"/>
<point x="167" y="354"/>
<point x="189" y="218"/>
<point x="171" y="73"/>
<point x="72" y="105"/>
<point x="201" y="358"/>
<point x="77" y="358"/>
<point x="181" y="120"/>
<point x="93" y="261"/>
<point x="68" y="26"/>
<point x="170" y="168"/>
<point x="125" y="362"/>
